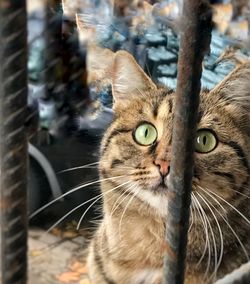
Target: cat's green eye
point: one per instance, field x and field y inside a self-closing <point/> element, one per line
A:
<point x="145" y="134"/>
<point x="206" y="141"/>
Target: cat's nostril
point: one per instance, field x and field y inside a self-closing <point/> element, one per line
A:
<point x="157" y="165"/>
<point x="163" y="166"/>
<point x="168" y="169"/>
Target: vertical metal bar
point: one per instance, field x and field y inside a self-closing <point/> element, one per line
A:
<point x="13" y="144"/>
<point x="195" y="39"/>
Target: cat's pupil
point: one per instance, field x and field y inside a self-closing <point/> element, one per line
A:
<point x="204" y="140"/>
<point x="146" y="133"/>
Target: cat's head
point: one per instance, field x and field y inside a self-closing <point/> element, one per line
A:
<point x="136" y="149"/>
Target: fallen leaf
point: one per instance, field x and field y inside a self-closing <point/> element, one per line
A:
<point x="70" y="234"/>
<point x="36" y="252"/>
<point x="69" y="276"/>
<point x="56" y="232"/>
<point x="85" y="281"/>
<point x="79" y="267"/>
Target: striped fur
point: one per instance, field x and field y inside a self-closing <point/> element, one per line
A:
<point x="128" y="245"/>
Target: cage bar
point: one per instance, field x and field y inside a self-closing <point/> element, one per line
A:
<point x="13" y="141"/>
<point x="195" y="39"/>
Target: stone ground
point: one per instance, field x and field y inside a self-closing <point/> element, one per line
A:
<point x="57" y="257"/>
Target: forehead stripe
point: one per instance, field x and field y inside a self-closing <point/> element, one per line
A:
<point x="156" y="105"/>
<point x="170" y="105"/>
<point x="155" y="109"/>
<point x="114" y="133"/>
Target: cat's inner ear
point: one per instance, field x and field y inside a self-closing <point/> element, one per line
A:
<point x="128" y="79"/>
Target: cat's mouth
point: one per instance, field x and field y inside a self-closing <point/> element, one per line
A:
<point x="160" y="186"/>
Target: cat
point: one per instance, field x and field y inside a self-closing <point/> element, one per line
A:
<point x="135" y="155"/>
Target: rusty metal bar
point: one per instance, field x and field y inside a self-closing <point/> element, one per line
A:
<point x="13" y="144"/>
<point x="195" y="40"/>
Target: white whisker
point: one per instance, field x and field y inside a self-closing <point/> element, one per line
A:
<point x="217" y="263"/>
<point x="242" y="194"/>
<point x="89" y="166"/>
<point x="125" y="209"/>
<point x="230" y="205"/>
<point x="83" y="215"/>
<point x="69" y="192"/>
<point x="99" y="196"/>
<point x="229" y="226"/>
<point x="192" y="219"/>
<point x="117" y="204"/>
<point x="78" y="167"/>
<point x="205" y="225"/>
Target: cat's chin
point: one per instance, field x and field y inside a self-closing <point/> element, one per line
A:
<point x="161" y="188"/>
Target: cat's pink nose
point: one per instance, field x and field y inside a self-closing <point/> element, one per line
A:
<point x="163" y="165"/>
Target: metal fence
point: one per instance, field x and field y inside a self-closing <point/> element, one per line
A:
<point x="195" y="40"/>
<point x="13" y="141"/>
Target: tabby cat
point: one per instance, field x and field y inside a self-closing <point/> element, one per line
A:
<point x="134" y="165"/>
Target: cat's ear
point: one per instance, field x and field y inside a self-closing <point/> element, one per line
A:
<point x="128" y="79"/>
<point x="235" y="88"/>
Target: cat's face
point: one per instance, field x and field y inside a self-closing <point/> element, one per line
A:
<point x="137" y="143"/>
<point x="137" y="147"/>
